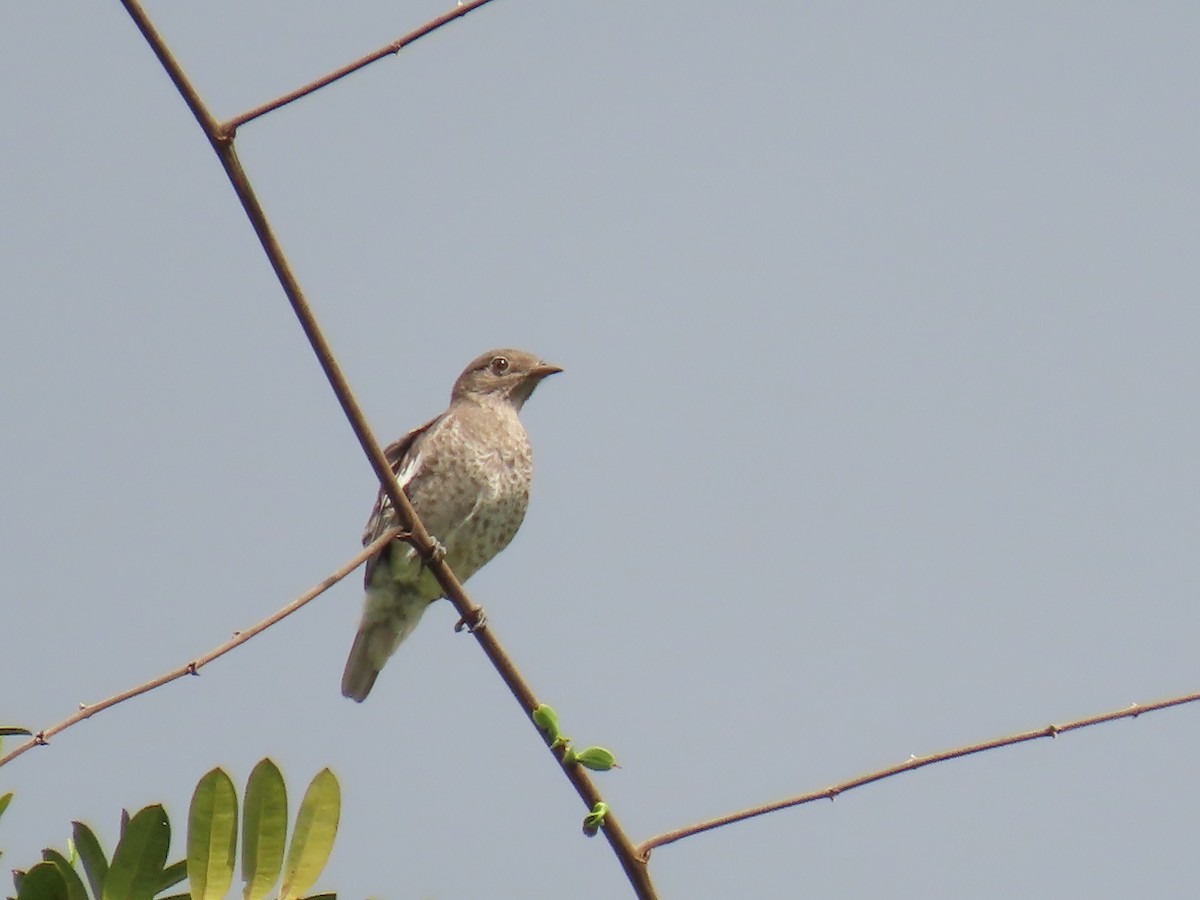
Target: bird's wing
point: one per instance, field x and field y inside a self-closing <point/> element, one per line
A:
<point x="383" y="517"/>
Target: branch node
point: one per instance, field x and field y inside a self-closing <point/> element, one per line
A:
<point x="1135" y="707"/>
<point x="1052" y="731"/>
<point x="40" y="739"/>
<point x="192" y="668"/>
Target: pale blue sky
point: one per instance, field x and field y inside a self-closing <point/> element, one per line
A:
<point x="877" y="434"/>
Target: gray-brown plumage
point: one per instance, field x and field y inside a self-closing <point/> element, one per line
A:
<point x="467" y="474"/>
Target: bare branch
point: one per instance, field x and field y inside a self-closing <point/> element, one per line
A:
<point x="418" y="536"/>
<point x="231" y="126"/>
<point x="909" y="765"/>
<point x="86" y="711"/>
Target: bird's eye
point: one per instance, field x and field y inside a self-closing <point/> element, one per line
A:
<point x="499" y="365"/>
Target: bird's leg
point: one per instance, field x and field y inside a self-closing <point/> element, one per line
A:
<point x="479" y="624"/>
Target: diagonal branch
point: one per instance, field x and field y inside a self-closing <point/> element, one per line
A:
<point x="394" y="47"/>
<point x="417" y="535"/>
<point x="86" y="711"/>
<point x="909" y="765"/>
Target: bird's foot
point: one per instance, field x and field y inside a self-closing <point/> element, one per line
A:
<point x="438" y="551"/>
<point x="478" y="625"/>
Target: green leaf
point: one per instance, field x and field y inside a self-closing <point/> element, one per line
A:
<point x="596" y="758"/>
<point x="264" y="830"/>
<point x="4" y="801"/>
<point x="546" y="719"/>
<point x="594" y="821"/>
<point x="91" y="854"/>
<point x="321" y="897"/>
<point x="6" y="730"/>
<point x="316" y="828"/>
<point x="42" y="882"/>
<point x="212" y="836"/>
<point x="138" y="862"/>
<point x="172" y="875"/>
<point x="74" y="884"/>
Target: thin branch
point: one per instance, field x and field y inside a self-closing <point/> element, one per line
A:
<point x="204" y="118"/>
<point x="417" y="535"/>
<point x="910" y="765"/>
<point x="231" y="126"/>
<point x="86" y="711"/>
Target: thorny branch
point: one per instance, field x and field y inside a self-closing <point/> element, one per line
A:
<point x="910" y="765"/>
<point x="86" y="711"/>
<point x="231" y="126"/>
<point x="222" y="143"/>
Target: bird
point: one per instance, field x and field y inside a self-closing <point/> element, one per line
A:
<point x="467" y="474"/>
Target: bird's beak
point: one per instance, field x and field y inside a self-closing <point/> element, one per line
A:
<point x="542" y="370"/>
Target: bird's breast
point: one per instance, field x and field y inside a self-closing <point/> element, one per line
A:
<point x="472" y="488"/>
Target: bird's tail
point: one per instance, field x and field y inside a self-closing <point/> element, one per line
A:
<point x="387" y="620"/>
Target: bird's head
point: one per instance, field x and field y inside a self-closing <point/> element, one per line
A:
<point x="505" y="374"/>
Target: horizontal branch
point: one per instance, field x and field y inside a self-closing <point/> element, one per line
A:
<point x="910" y="765"/>
<point x="231" y="126"/>
<point x="86" y="711"/>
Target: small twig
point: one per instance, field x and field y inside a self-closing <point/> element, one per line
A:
<point x="86" y="711"/>
<point x="231" y="126"/>
<point x="912" y="764"/>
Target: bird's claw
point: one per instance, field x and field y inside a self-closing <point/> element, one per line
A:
<point x="478" y="625"/>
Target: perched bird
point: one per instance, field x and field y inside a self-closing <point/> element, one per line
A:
<point x="467" y="474"/>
